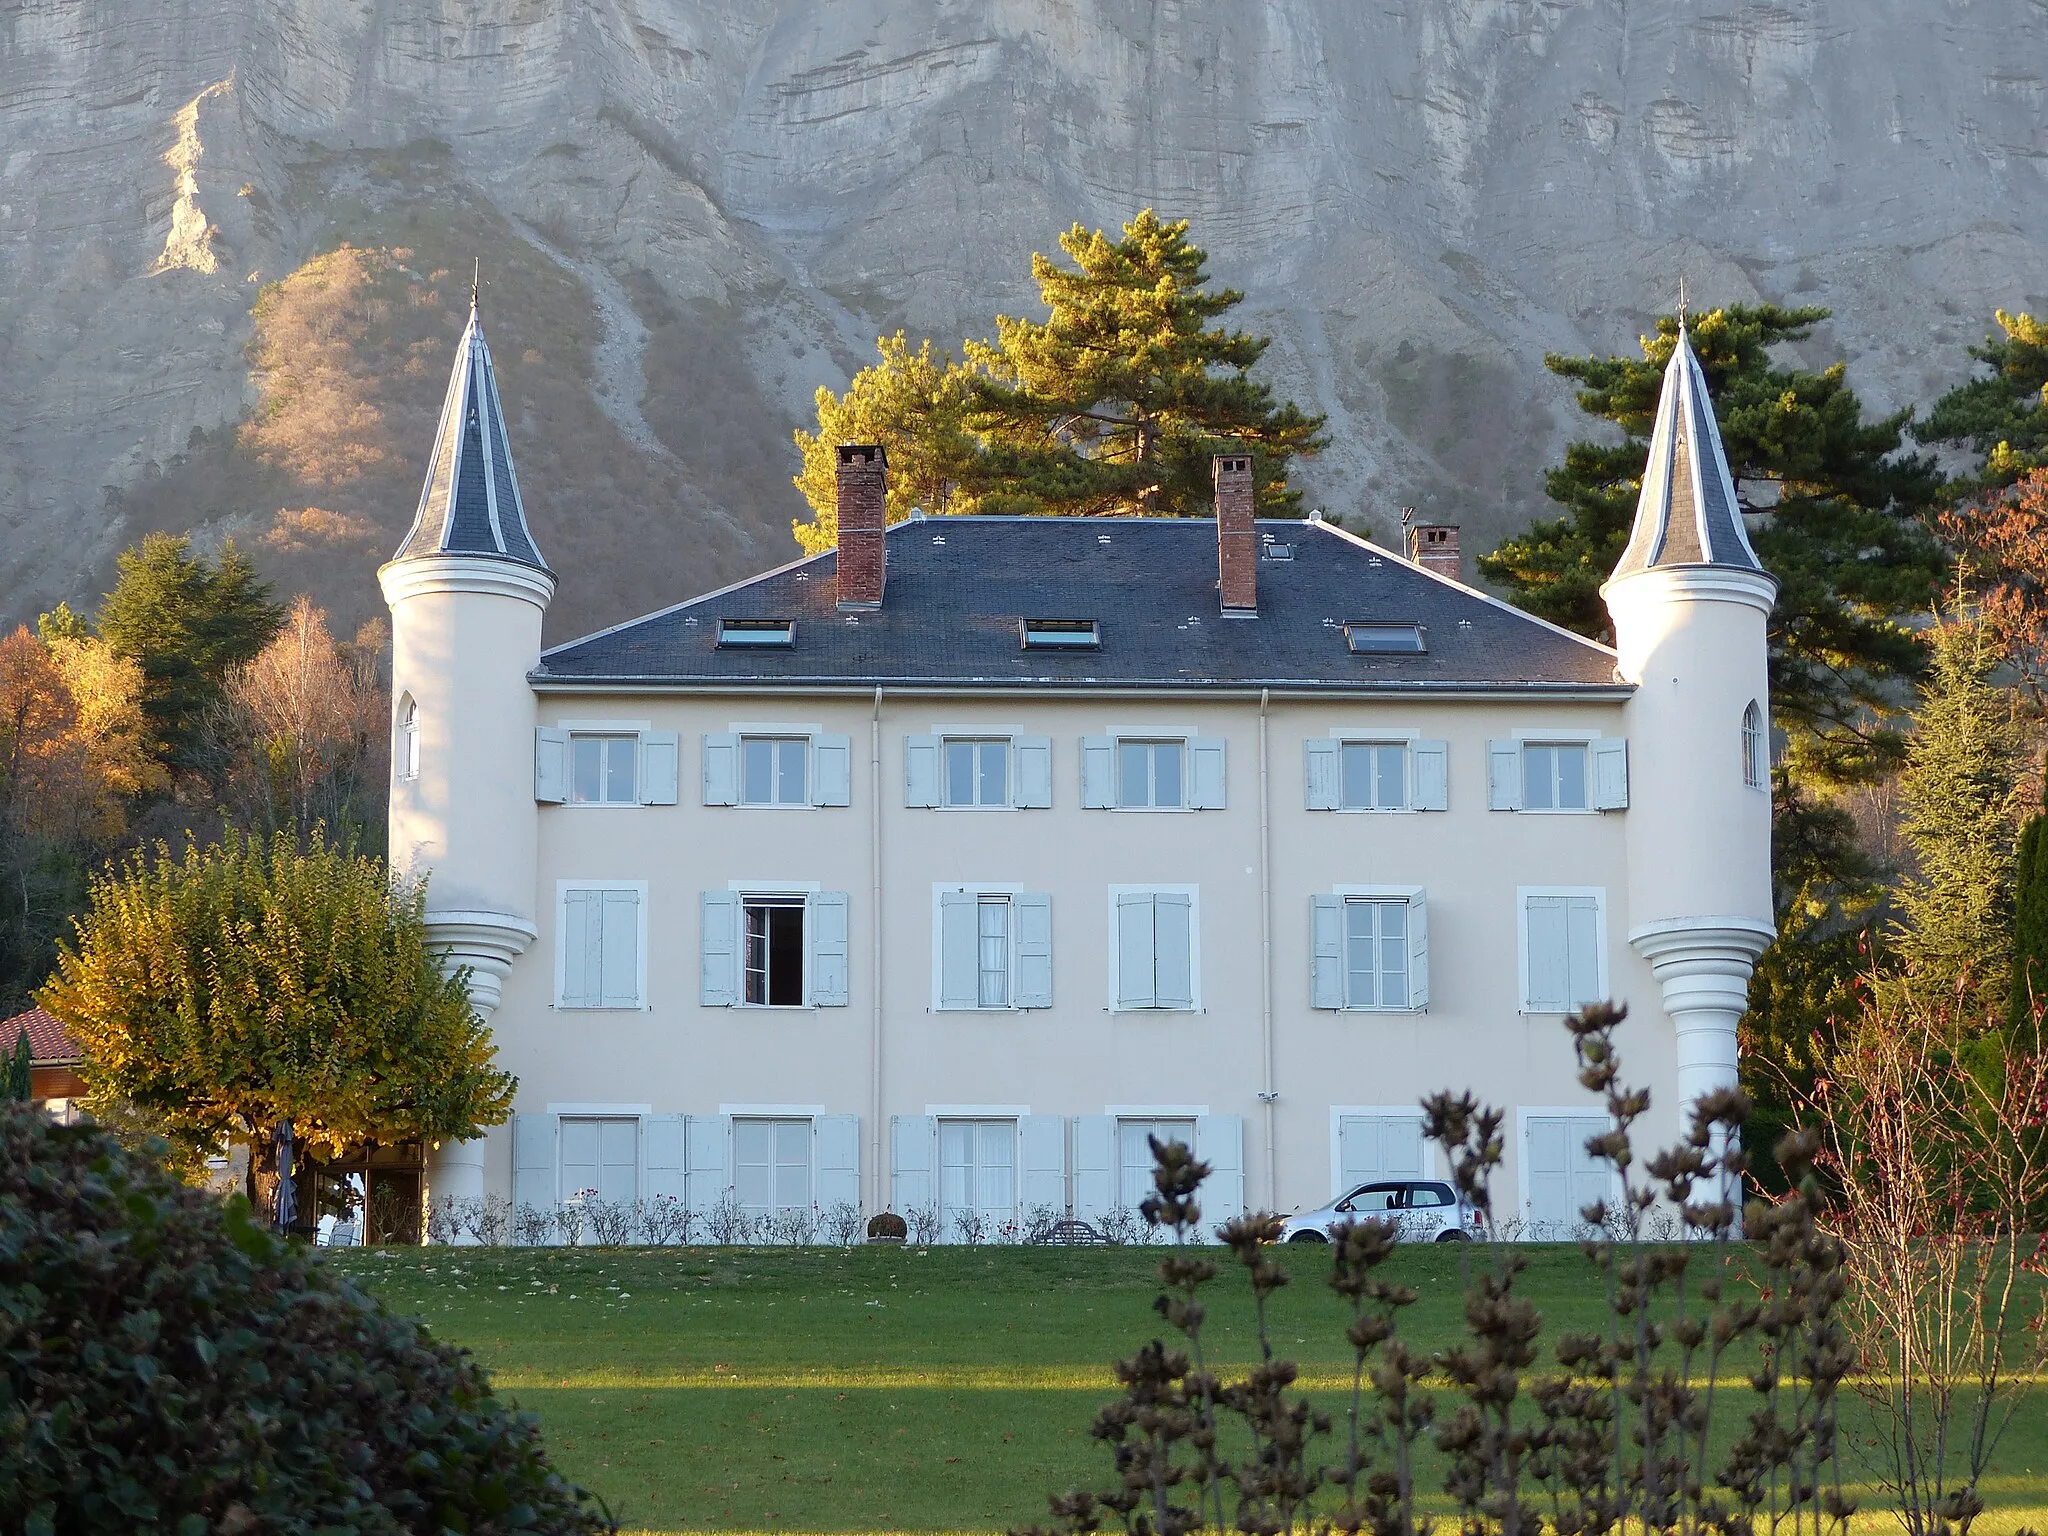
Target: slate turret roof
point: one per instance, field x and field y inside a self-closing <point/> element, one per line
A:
<point x="470" y="505"/>
<point x="960" y="588"/>
<point x="1687" y="513"/>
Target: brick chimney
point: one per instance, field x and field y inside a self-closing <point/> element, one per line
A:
<point x="1237" y="539"/>
<point x="863" y="550"/>
<point x="1434" y="547"/>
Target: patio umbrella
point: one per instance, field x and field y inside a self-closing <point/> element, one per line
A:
<point x="287" y="1196"/>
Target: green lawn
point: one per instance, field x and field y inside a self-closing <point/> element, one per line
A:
<point x="898" y="1389"/>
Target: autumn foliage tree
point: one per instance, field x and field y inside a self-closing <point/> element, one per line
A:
<point x="259" y="981"/>
<point x="2003" y="540"/>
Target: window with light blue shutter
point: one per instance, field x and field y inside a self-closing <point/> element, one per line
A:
<point x="832" y="770"/>
<point x="1561" y="941"/>
<point x="1326" y="951"/>
<point x="600" y="948"/>
<point x="721" y="769"/>
<point x="1098" y="773"/>
<point x="959" y="949"/>
<point x="829" y="983"/>
<point x="1033" y="911"/>
<point x="921" y="771"/>
<point x="658" y="763"/>
<point x="1034" y="773"/>
<point x="719" y="983"/>
<point x="1325" y="764"/>
<point x="1155" y="966"/>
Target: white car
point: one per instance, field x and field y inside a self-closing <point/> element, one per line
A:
<point x="1426" y="1211"/>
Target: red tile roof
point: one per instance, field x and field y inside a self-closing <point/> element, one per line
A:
<point x="49" y="1043"/>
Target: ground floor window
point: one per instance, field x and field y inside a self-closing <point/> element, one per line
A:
<point x="1563" y="1177"/>
<point x="1134" y="1154"/>
<point x="1371" y="1148"/>
<point x="771" y="1165"/>
<point x="601" y="1157"/>
<point x="977" y="1177"/>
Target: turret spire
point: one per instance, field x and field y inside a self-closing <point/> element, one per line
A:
<point x="470" y="504"/>
<point x="1687" y="513"/>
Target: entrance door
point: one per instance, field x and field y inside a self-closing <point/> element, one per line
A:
<point x="1564" y="1177"/>
<point x="1373" y="1147"/>
<point x="601" y="1155"/>
<point x="977" y="1174"/>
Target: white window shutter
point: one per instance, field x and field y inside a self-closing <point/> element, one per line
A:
<point x="719" y="948"/>
<point x="659" y="751"/>
<point x="1135" y="950"/>
<point x="838" y="1160"/>
<point x="663" y="1142"/>
<point x="582" y="948"/>
<point x="1032" y="915"/>
<point x="1610" y="773"/>
<point x="1582" y="940"/>
<point x="1418" y="949"/>
<point x="706" y="1179"/>
<point x="619" y="967"/>
<point x="1219" y="1142"/>
<point x="1547" y="945"/>
<point x="721" y="769"/>
<point x="1034" y="773"/>
<point x="1094" y="1166"/>
<point x="533" y="1161"/>
<point x="827" y="913"/>
<point x="1098" y="773"/>
<point x="1504" y="775"/>
<point x="921" y="771"/>
<point x="831" y="770"/>
<point x="1325" y="760"/>
<point x="1205" y="761"/>
<point x="1431" y="764"/>
<point x="959" y="950"/>
<point x="1173" y="950"/>
<point x="912" y="1139"/>
<point x="550" y="765"/>
<point x="1326" y="951"/>
<point x="1045" y="1162"/>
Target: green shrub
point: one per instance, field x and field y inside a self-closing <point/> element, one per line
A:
<point x="171" y="1366"/>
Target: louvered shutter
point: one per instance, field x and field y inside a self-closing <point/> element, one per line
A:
<point x="1205" y="762"/>
<point x="659" y="751"/>
<point x="721" y="769"/>
<point x="1173" y="946"/>
<point x="1547" y="1146"/>
<point x="1504" y="775"/>
<point x="582" y="948"/>
<point x="619" y="964"/>
<point x="1098" y="773"/>
<point x="1219" y="1142"/>
<point x="1325" y="762"/>
<point x="1610" y="773"/>
<point x="1034" y="773"/>
<point x="959" y="950"/>
<point x="828" y="949"/>
<point x="1326" y="951"/>
<point x="665" y="1142"/>
<point x="838" y="1160"/>
<point x="1094" y="1166"/>
<point x="1135" y="956"/>
<point x="1033" y="982"/>
<point x="706" y="1179"/>
<point x="533" y="1161"/>
<point x="550" y="765"/>
<point x="831" y="770"/>
<point x="1582" y="939"/>
<point x="1418" y="949"/>
<point x="921" y="771"/>
<point x="1044" y="1139"/>
<point x="1432" y="767"/>
<point x="1548" y="955"/>
<point x="719" y="972"/>
<point x="911" y="1139"/>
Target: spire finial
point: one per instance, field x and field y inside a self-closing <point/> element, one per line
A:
<point x="476" y="282"/>
<point x="1681" y="301"/>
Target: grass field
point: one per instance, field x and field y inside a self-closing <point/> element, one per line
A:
<point x="901" y="1389"/>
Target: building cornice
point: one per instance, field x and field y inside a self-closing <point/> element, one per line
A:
<point x="419" y="575"/>
<point x="1694" y="583"/>
<point x="864" y="688"/>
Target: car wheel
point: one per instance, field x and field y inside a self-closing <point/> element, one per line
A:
<point x="1453" y="1235"/>
<point x="1308" y="1237"/>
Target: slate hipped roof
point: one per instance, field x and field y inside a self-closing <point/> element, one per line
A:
<point x="1687" y="513"/>
<point x="470" y="505"/>
<point x="959" y="588"/>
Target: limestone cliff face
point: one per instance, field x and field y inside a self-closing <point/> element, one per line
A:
<point x="693" y="212"/>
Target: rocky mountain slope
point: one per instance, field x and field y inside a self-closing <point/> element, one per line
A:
<point x="235" y="237"/>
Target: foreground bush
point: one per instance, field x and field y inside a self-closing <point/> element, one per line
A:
<point x="171" y="1366"/>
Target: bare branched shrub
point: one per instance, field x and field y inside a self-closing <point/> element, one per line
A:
<point x="487" y="1221"/>
<point x="1040" y="1222"/>
<point x="532" y="1226"/>
<point x="842" y="1223"/>
<point x="665" y="1220"/>
<point x="444" y="1219"/>
<point x="728" y="1222"/>
<point x="572" y="1216"/>
<point x="970" y="1227"/>
<point x="795" y="1226"/>
<point x="924" y="1224"/>
<point x="1121" y="1226"/>
<point x="612" y="1222"/>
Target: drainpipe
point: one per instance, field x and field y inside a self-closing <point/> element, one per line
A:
<point x="875" y="1134"/>
<point x="1269" y="1096"/>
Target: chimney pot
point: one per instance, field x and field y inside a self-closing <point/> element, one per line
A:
<point x="1434" y="547"/>
<point x="863" y="484"/>
<point x="1237" y="541"/>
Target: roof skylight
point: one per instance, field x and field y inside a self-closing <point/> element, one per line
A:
<point x="755" y="632"/>
<point x="1380" y="639"/>
<point x="1060" y="634"/>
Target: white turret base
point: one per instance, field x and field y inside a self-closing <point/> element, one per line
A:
<point x="455" y="1171"/>
<point x="486" y="942"/>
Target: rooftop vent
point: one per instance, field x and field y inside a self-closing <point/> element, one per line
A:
<point x="1384" y="639"/>
<point x="1060" y="634"/>
<point x="734" y="633"/>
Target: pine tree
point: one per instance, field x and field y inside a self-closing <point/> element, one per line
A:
<point x="2003" y="414"/>
<point x="2029" y="927"/>
<point x="21" y="1071"/>
<point x="1844" y="536"/>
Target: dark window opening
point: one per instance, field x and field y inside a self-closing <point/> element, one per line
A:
<point x="1061" y="634"/>
<point x="775" y="952"/>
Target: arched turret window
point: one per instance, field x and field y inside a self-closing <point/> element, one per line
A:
<point x="405" y="754"/>
<point x="1756" y="748"/>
